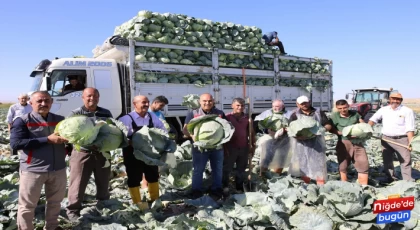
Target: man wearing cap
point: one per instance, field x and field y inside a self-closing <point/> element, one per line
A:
<point x="272" y="39"/>
<point x="398" y="125"/>
<point x="74" y="85"/>
<point x="309" y="160"/>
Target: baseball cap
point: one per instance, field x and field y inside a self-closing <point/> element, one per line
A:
<point x="302" y="99"/>
<point x="396" y="95"/>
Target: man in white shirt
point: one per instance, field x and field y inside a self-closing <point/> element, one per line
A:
<point x="398" y="125"/>
<point x="17" y="110"/>
<point x="134" y="121"/>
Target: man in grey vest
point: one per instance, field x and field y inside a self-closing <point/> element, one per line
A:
<point x="85" y="162"/>
<point x="42" y="162"/>
<point x="200" y="158"/>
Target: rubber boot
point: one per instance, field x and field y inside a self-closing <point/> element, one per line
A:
<point x="320" y="181"/>
<point x="136" y="198"/>
<point x="306" y="179"/>
<point x="343" y="176"/>
<point x="279" y="170"/>
<point x="153" y="191"/>
<point x="363" y="178"/>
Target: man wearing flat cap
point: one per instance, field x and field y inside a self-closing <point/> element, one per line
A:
<point x="397" y="126"/>
<point x="74" y="85"/>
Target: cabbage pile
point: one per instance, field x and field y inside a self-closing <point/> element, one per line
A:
<point x="305" y="126"/>
<point x="151" y="146"/>
<point x="192" y="101"/>
<point x="210" y="131"/>
<point x="361" y="132"/>
<point x="178" y="29"/>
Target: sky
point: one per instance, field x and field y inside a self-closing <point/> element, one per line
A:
<point x="371" y="43"/>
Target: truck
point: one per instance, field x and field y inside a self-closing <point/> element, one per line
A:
<point x="366" y="101"/>
<point x="115" y="73"/>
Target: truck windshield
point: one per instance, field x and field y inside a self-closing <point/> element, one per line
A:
<point x="370" y="96"/>
<point x="36" y="83"/>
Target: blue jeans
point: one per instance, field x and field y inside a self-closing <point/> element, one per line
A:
<point x="199" y="163"/>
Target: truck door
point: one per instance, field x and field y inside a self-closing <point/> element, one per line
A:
<point x="66" y="96"/>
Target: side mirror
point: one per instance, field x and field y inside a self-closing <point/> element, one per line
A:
<point x="347" y="96"/>
<point x="48" y="83"/>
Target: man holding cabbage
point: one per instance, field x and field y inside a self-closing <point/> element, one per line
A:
<point x="42" y="161"/>
<point x="307" y="126"/>
<point x="85" y="161"/>
<point x="274" y="146"/>
<point x="209" y="129"/>
<point x="135" y="168"/>
<point x="350" y="142"/>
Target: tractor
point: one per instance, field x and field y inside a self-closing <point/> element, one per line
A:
<point x="368" y="100"/>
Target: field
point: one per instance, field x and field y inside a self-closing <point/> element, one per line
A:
<point x="413" y="104"/>
<point x="5" y="105"/>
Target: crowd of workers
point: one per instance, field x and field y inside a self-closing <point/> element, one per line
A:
<point x="43" y="152"/>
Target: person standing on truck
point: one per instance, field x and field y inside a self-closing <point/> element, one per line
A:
<point x="309" y="160"/>
<point x="157" y="105"/>
<point x="268" y="140"/>
<point x="398" y="125"/>
<point x="42" y="162"/>
<point x="237" y="149"/>
<point x="272" y="39"/>
<point x="85" y="162"/>
<point x="135" y="168"/>
<point x="200" y="158"/>
<point x="17" y="110"/>
<point x="347" y="151"/>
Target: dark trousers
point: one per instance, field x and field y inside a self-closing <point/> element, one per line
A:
<point x="280" y="44"/>
<point x="135" y="169"/>
<point x="81" y="167"/>
<point x="404" y="157"/>
<point x="240" y="157"/>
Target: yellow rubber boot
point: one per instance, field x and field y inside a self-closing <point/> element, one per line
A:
<point x="153" y="191"/>
<point x="135" y="194"/>
<point x="136" y="198"/>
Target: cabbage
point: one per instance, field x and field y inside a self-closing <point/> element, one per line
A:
<point x="150" y="145"/>
<point x="210" y="131"/>
<point x="305" y="126"/>
<point x="359" y="130"/>
<point x="274" y="122"/>
<point x="167" y="127"/>
<point x="415" y="144"/>
<point x="111" y="136"/>
<point x="79" y="130"/>
<point x="191" y="101"/>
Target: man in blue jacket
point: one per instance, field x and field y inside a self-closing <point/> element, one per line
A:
<point x="42" y="161"/>
<point x="272" y="39"/>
